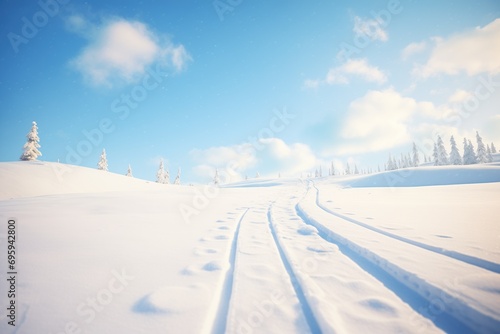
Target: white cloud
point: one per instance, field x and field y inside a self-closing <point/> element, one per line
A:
<point x="473" y="52"/>
<point x="121" y="50"/>
<point x="353" y="67"/>
<point x="377" y="121"/>
<point x="413" y="49"/>
<point x="371" y="28"/>
<point x="460" y="96"/>
<point x="274" y="156"/>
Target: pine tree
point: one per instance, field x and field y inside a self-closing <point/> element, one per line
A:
<point x="31" y="151"/>
<point x="257" y="175"/>
<point x="129" y="171"/>
<point x="416" y="159"/>
<point x="469" y="155"/>
<point x="333" y="169"/>
<point x="348" y="169"/>
<point x="442" y="156"/>
<point x="481" y="150"/>
<point x="489" y="157"/>
<point x="356" y="171"/>
<point x="103" y="161"/>
<point x="216" y="177"/>
<point x="166" y="176"/>
<point x="320" y="172"/>
<point x="455" y="158"/>
<point x="435" y="155"/>
<point x="160" y="174"/>
<point x="178" y="177"/>
<point x="493" y="148"/>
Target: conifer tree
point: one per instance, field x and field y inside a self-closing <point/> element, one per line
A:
<point x="129" y="171"/>
<point x="177" y="180"/>
<point x="481" y="150"/>
<point x="160" y="174"/>
<point x="435" y="155"/>
<point x="103" y="161"/>
<point x="493" y="148"/>
<point x="489" y="157"/>
<point x="455" y="158"/>
<point x="216" y="177"/>
<point x="31" y="147"/>
<point x="166" y="176"/>
<point x="416" y="159"/>
<point x="442" y="156"/>
<point x="469" y="154"/>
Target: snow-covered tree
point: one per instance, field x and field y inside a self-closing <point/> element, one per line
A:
<point x="488" y="154"/>
<point x="103" y="161"/>
<point x="481" y="150"/>
<point x="435" y="155"/>
<point x="160" y="174"/>
<point x="442" y="156"/>
<point x="166" y="176"/>
<point x="356" y="171"/>
<point x="31" y="147"/>
<point x="469" y="154"/>
<point x="455" y="158"/>
<point x="416" y="158"/>
<point x="332" y="169"/>
<point x="493" y="148"/>
<point x="178" y="177"/>
<point x="320" y="172"/>
<point x="129" y="171"/>
<point x="216" y="177"/>
<point x="257" y="175"/>
<point x="348" y="169"/>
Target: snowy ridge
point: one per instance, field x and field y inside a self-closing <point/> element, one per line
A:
<point x="426" y="176"/>
<point x="39" y="178"/>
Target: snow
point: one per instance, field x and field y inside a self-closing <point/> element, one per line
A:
<point x="405" y="251"/>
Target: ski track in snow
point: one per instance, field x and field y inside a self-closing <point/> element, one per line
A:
<point x="472" y="260"/>
<point x="458" y="305"/>
<point x="306" y="308"/>
<point x="221" y="305"/>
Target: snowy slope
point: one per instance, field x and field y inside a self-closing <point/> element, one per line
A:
<point x="104" y="253"/>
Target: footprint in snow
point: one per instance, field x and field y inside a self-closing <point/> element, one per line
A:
<point x="212" y="266"/>
<point x="307" y="230"/>
<point x="169" y="300"/>
<point x="221" y="237"/>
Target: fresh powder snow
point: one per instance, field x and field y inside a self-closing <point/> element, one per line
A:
<point x="415" y="250"/>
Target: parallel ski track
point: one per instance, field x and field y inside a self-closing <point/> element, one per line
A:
<point x="454" y="308"/>
<point x="306" y="308"/>
<point x="220" y="320"/>
<point x="472" y="260"/>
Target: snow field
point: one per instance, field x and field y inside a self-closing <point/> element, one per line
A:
<point x="343" y="297"/>
<point x="438" y="279"/>
<point x="105" y="253"/>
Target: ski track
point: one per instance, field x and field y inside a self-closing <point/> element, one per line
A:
<point x="306" y="308"/>
<point x="224" y="297"/>
<point x="472" y="260"/>
<point x="458" y="309"/>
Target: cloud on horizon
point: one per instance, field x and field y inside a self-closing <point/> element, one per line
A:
<point x="270" y="157"/>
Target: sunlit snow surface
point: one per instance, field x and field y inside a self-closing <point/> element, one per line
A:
<point x="413" y="251"/>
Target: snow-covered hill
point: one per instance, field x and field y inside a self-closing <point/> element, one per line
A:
<point x="105" y="253"/>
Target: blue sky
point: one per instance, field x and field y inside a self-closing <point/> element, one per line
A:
<point x="245" y="86"/>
